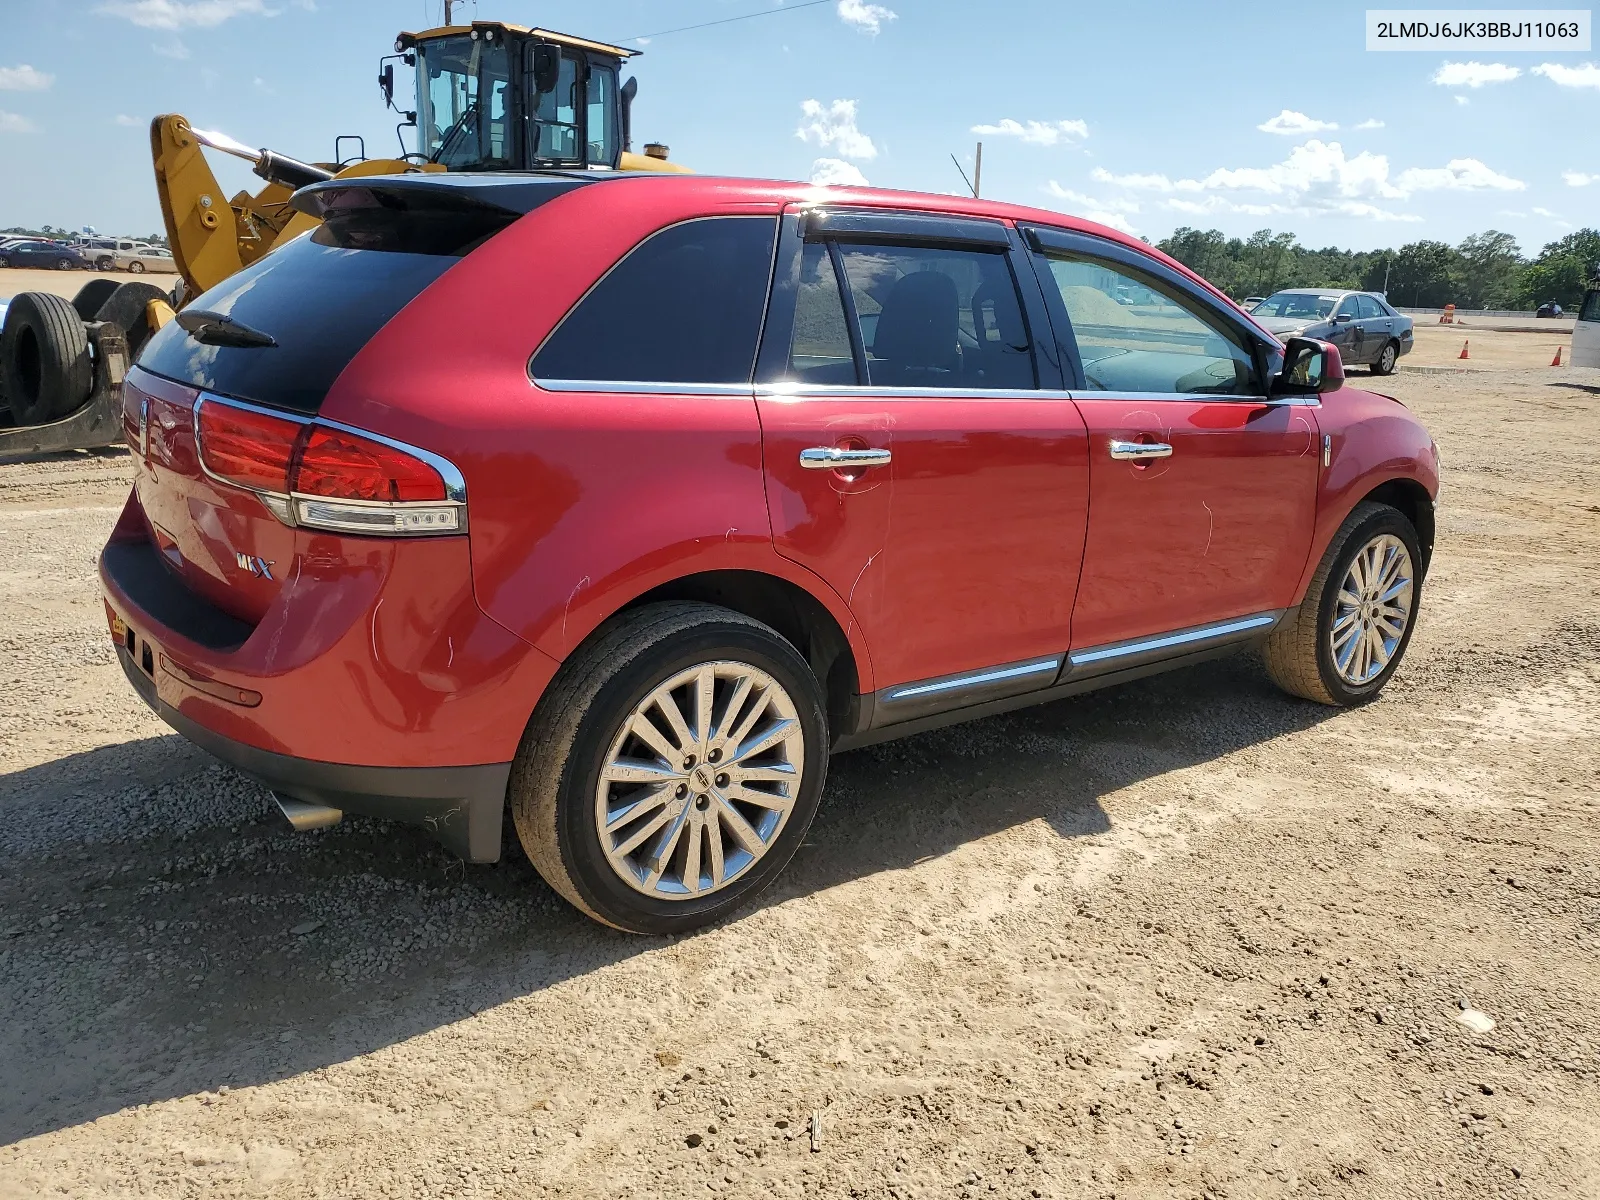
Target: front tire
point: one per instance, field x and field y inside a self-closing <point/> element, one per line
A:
<point x="1345" y="641"/>
<point x="1387" y="358"/>
<point x="672" y="768"/>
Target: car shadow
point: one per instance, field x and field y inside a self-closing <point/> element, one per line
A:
<point x="162" y="934"/>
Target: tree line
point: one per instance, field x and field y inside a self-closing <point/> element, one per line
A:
<point x="1486" y="270"/>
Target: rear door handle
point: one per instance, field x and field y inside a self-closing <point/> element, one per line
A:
<point x="1137" y="451"/>
<point x="832" y="458"/>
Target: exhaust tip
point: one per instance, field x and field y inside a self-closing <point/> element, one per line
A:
<point x="303" y="816"/>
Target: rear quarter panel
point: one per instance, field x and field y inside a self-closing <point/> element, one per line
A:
<point x="1373" y="440"/>
<point x="578" y="501"/>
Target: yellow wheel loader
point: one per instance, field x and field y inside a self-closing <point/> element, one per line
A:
<point x="489" y="97"/>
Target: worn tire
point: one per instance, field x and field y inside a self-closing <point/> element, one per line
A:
<point x="1387" y="358"/>
<point x="1298" y="655"/>
<point x="92" y="295"/>
<point x="557" y="768"/>
<point x="45" y="369"/>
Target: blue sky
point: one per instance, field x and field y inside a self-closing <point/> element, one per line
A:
<point x="1146" y="115"/>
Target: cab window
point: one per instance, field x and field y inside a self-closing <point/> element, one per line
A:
<point x="555" y="130"/>
<point x="602" y="117"/>
<point x="1139" y="334"/>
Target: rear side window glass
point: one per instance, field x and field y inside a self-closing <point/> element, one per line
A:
<point x="684" y="306"/>
<point x="819" y="350"/>
<point x="1591" y="306"/>
<point x="938" y="317"/>
<point x="1137" y="335"/>
<point x="1370" y="308"/>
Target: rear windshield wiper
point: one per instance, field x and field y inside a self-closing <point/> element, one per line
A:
<point x="218" y="329"/>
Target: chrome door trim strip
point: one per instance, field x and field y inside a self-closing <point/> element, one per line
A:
<point x="1182" y="637"/>
<point x="974" y="679"/>
<point x="802" y="391"/>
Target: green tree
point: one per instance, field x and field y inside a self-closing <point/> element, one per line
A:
<point x="1490" y="271"/>
<point x="1562" y="271"/>
<point x="1421" y="275"/>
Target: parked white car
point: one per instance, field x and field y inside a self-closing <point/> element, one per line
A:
<point x="1586" y="330"/>
<point x="147" y="258"/>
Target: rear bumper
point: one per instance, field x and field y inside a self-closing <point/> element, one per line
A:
<point x="461" y="806"/>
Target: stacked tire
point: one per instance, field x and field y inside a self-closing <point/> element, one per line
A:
<point x="46" y="371"/>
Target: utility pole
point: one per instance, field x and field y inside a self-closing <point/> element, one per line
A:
<point x="1387" y="263"/>
<point x="977" y="174"/>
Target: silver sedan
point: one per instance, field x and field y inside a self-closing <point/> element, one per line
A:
<point x="1364" y="326"/>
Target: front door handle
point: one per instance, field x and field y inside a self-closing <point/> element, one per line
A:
<point x="1139" y="451"/>
<point x="835" y="458"/>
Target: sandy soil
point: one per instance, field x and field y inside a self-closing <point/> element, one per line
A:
<point x="1188" y="938"/>
<point x="67" y="283"/>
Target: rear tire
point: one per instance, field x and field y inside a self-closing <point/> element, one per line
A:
<point x="65" y="264"/>
<point x="1387" y="358"/>
<point x="136" y="267"/>
<point x="581" y="770"/>
<point x="45" y="369"/>
<point x="1307" y="656"/>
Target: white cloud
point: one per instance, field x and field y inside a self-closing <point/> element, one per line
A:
<point x="1370" y="123"/>
<point x="1474" y="74"/>
<point x="130" y="122"/>
<point x="1040" y="133"/>
<point x="834" y="128"/>
<point x="1143" y="183"/>
<point x="1105" y="212"/>
<point x="1462" y="100"/>
<point x="24" y="79"/>
<point x="183" y="14"/>
<point x="1578" y="178"/>
<point x="866" y="18"/>
<point x="173" y="49"/>
<point x="1294" y="124"/>
<point x="12" y="123"/>
<point x="1584" y="75"/>
<point x="1459" y="174"/>
<point x="837" y="173"/>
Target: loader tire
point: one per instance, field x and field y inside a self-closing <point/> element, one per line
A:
<point x="126" y="306"/>
<point x="45" y="369"/>
<point x="92" y="295"/>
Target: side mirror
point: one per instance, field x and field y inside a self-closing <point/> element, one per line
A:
<point x="1342" y="319"/>
<point x="386" y="82"/>
<point x="546" y="68"/>
<point x="1309" y="365"/>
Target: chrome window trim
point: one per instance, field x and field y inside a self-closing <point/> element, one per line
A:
<point x="800" y="391"/>
<point x="776" y="217"/>
<point x="643" y="387"/>
<point x="1079" y="658"/>
<point x="974" y="679"/>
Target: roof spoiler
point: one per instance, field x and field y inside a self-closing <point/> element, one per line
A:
<point x="435" y="191"/>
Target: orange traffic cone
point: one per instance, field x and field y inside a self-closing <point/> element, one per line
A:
<point x="1463" y="353"/>
<point x="1556" y="361"/>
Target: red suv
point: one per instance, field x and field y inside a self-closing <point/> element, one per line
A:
<point x="624" y="500"/>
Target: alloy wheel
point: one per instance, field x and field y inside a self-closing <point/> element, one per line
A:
<point x="1386" y="360"/>
<point x="700" y="780"/>
<point x="1372" y="610"/>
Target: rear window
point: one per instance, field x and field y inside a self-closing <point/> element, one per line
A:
<point x="684" y="307"/>
<point x="323" y="296"/>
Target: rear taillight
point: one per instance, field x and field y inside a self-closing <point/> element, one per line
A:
<point x="326" y="476"/>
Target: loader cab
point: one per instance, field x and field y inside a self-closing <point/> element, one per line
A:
<point x="495" y="97"/>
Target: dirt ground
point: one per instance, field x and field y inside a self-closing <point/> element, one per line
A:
<point x="1187" y="938"/>
<point x="67" y="283"/>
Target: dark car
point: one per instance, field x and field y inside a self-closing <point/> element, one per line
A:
<point x="1362" y="324"/>
<point x="679" y="586"/>
<point x="1549" y="309"/>
<point x="42" y="254"/>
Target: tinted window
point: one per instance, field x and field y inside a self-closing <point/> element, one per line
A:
<point x="684" y="306"/>
<point x="819" y="349"/>
<point x="1370" y="308"/>
<point x="938" y="318"/>
<point x="1591" y="306"/>
<point x="321" y="303"/>
<point x="1348" y="307"/>
<point x="1140" y="335"/>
